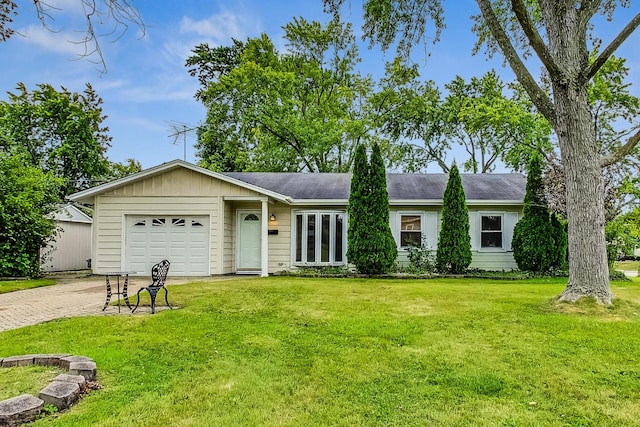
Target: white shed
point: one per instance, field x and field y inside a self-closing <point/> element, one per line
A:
<point x="71" y="249"/>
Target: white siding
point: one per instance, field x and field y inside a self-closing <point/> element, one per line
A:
<point x="178" y="192"/>
<point x="280" y="244"/>
<point x="71" y="250"/>
<point x="500" y="259"/>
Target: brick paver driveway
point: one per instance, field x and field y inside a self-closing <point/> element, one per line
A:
<point x="69" y="297"/>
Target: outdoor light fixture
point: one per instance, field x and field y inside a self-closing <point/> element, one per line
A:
<point x="272" y="217"/>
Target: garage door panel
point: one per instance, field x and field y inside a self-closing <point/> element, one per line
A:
<point x="183" y="240"/>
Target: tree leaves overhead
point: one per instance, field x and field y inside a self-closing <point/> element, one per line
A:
<point x="489" y="125"/>
<point x="59" y="132"/>
<point x="399" y="23"/>
<point x="294" y="111"/>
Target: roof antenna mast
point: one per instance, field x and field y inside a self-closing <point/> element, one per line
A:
<point x="181" y="129"/>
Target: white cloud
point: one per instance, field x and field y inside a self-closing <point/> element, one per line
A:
<point x="59" y="42"/>
<point x="221" y="27"/>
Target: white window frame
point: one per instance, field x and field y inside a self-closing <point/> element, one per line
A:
<point x="502" y="247"/>
<point x="399" y="226"/>
<point x="318" y="237"/>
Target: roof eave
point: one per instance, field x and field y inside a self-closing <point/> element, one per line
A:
<point x="87" y="196"/>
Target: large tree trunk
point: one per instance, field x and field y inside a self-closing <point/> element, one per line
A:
<point x="588" y="268"/>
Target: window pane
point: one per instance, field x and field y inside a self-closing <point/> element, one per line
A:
<point x="410" y="226"/>
<point x="410" y="223"/>
<point x="326" y="235"/>
<point x="410" y="238"/>
<point x="299" y="238"/>
<point x="311" y="238"/>
<point x="337" y="255"/>
<point x="492" y="223"/>
<point x="491" y="239"/>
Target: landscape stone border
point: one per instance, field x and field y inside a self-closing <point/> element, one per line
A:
<point x="62" y="392"/>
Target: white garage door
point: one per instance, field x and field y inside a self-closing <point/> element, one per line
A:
<point x="183" y="240"/>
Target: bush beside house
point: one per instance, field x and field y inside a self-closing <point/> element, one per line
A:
<point x="454" y="245"/>
<point x="371" y="247"/>
<point x="539" y="240"/>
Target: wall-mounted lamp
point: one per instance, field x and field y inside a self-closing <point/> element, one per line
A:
<point x="272" y="217"/>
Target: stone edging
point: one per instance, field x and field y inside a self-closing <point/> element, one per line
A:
<point x="62" y="392"/>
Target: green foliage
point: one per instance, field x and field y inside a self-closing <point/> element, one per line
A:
<point x="539" y="238"/>
<point x="454" y="243"/>
<point x="533" y="235"/>
<point x="491" y="126"/>
<point x="357" y="208"/>
<point x="421" y="258"/>
<point x="560" y="242"/>
<point x="120" y="170"/>
<point x="27" y="195"/>
<point x="59" y="132"/>
<point x="370" y="244"/>
<point x="272" y="111"/>
<point x="623" y="235"/>
<point x="382" y="252"/>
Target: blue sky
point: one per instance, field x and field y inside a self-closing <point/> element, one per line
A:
<point x="147" y="85"/>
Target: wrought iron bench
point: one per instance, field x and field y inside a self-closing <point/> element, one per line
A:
<point x="158" y="276"/>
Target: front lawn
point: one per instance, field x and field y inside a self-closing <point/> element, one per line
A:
<point x="26" y="379"/>
<point x="627" y="265"/>
<point x="19" y="285"/>
<point x="299" y="352"/>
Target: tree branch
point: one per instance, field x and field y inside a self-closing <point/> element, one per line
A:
<point x="622" y="152"/>
<point x="535" y="40"/>
<point x="537" y="95"/>
<point x="608" y="51"/>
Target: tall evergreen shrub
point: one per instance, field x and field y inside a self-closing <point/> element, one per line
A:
<point x="358" y="208"/>
<point x="370" y="244"/>
<point x="382" y="250"/>
<point x="533" y="244"/>
<point x="454" y="245"/>
<point x="561" y="242"/>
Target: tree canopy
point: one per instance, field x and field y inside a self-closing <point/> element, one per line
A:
<point x="62" y="133"/>
<point x="271" y="111"/>
<point x="27" y="197"/>
<point x="561" y="34"/>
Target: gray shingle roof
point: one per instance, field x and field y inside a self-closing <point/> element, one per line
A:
<point x="319" y="186"/>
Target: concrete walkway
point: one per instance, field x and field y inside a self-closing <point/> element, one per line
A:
<point x="71" y="296"/>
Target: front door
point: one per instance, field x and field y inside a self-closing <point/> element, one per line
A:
<point x="249" y="242"/>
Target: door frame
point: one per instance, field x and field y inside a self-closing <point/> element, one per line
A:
<point x="239" y="214"/>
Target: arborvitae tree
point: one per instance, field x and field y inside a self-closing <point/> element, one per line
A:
<point x="454" y="245"/>
<point x="370" y="244"/>
<point x="534" y="247"/>
<point x="358" y="209"/>
<point x="560" y="240"/>
<point x="381" y="247"/>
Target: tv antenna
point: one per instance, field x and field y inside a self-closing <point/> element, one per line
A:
<point x="181" y="129"/>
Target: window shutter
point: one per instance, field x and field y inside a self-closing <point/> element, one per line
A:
<point x="474" y="231"/>
<point x="510" y="220"/>
<point x="395" y="227"/>
<point x="431" y="230"/>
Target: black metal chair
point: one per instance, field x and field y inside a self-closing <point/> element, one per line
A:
<point x="158" y="276"/>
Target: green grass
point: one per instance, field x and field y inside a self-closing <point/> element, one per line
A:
<point x="627" y="265"/>
<point x="305" y="352"/>
<point x="19" y="285"/>
<point x="25" y="380"/>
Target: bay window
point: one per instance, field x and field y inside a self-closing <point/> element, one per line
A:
<point x="319" y="237"/>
